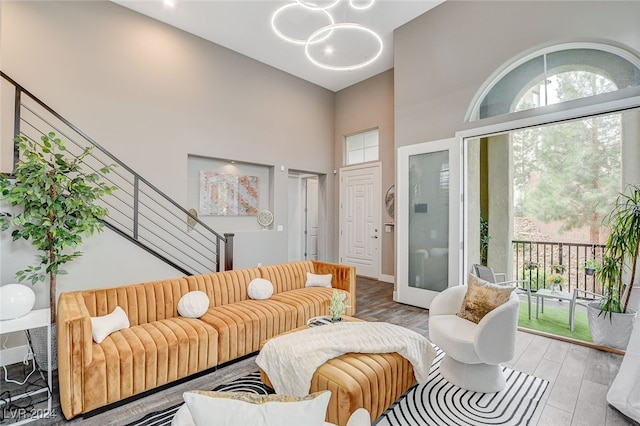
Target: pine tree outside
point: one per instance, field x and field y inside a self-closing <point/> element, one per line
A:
<point x="566" y="178"/>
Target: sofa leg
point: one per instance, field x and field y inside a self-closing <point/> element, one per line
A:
<point x="483" y="378"/>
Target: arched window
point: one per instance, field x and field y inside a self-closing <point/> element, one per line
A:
<point x="537" y="80"/>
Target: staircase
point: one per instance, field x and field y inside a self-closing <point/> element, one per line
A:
<point x="138" y="211"/>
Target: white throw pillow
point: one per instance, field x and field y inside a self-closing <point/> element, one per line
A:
<point x="360" y="417"/>
<point x="244" y="408"/>
<point x="103" y="326"/>
<point x="193" y="304"/>
<point x="315" y="280"/>
<point x="182" y="417"/>
<point x="260" y="289"/>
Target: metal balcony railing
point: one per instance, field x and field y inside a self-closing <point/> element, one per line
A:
<point x="534" y="261"/>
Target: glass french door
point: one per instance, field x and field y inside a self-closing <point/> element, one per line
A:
<point x="429" y="220"/>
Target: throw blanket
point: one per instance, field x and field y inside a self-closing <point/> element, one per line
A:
<point x="291" y="360"/>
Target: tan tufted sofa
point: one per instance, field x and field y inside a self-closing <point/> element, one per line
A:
<point x="161" y="346"/>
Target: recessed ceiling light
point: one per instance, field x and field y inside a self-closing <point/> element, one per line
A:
<point x="169" y="3"/>
<point x="328" y="50"/>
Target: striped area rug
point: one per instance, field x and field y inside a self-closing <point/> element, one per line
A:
<point x="436" y="402"/>
<point x="439" y="403"/>
<point x="248" y="383"/>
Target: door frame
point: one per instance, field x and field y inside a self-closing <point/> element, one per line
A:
<point x="295" y="218"/>
<point x="404" y="293"/>
<point x="341" y="194"/>
<point x="313" y="202"/>
<point x="298" y="232"/>
<point x="524" y="119"/>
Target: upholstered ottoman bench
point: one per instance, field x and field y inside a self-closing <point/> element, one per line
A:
<point x="372" y="381"/>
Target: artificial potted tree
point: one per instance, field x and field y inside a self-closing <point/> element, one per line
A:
<point x="57" y="205"/>
<point x="610" y="319"/>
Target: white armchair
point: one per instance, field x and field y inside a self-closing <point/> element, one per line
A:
<point x="473" y="352"/>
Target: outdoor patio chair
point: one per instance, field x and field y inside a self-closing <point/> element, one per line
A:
<point x="488" y="274"/>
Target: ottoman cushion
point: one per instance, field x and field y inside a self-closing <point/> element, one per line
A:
<point x="369" y="381"/>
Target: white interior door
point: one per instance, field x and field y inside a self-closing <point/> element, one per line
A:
<point x="360" y="206"/>
<point x="296" y="219"/>
<point x="311" y="219"/>
<point x="428" y="220"/>
<point x="303" y="217"/>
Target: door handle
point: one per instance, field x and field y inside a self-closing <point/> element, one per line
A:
<point x="374" y="236"/>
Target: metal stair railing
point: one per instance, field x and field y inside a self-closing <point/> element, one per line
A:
<point x="138" y="210"/>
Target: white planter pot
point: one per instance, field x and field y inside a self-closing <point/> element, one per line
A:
<point x="612" y="331"/>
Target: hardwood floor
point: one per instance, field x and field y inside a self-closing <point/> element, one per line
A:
<point x="579" y="376"/>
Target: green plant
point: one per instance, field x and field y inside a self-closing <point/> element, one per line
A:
<point x="558" y="269"/>
<point x="338" y="305"/>
<point x="58" y="202"/>
<point x="556" y="278"/>
<point x="535" y="278"/>
<point x="592" y="264"/>
<point x="484" y="241"/>
<point x="530" y="264"/>
<point x="621" y="251"/>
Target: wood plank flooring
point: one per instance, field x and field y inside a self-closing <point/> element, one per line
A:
<point x="579" y="376"/>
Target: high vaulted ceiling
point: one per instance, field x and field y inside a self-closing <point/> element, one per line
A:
<point x="245" y="27"/>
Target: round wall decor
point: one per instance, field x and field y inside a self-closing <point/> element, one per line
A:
<point x="390" y="201"/>
<point x="265" y="218"/>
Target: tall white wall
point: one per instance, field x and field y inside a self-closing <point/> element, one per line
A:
<point x="364" y="106"/>
<point x="152" y="95"/>
<point x="443" y="57"/>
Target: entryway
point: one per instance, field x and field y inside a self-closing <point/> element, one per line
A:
<point x="360" y="207"/>
<point x="304" y="221"/>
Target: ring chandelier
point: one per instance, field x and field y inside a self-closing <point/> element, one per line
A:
<point x="320" y="12"/>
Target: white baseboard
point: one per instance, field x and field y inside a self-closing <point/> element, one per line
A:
<point x="386" y="278"/>
<point x="395" y="298"/>
<point x="13" y="355"/>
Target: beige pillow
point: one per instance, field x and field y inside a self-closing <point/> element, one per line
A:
<point x="317" y="280"/>
<point x="103" y="326"/>
<point x="244" y="409"/>
<point x="260" y="289"/>
<point x="193" y="304"/>
<point x="481" y="298"/>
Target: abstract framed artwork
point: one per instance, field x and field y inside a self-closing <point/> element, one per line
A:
<point x="223" y="194"/>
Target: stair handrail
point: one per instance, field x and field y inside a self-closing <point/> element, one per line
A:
<point x="21" y="89"/>
<point x="226" y="238"/>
